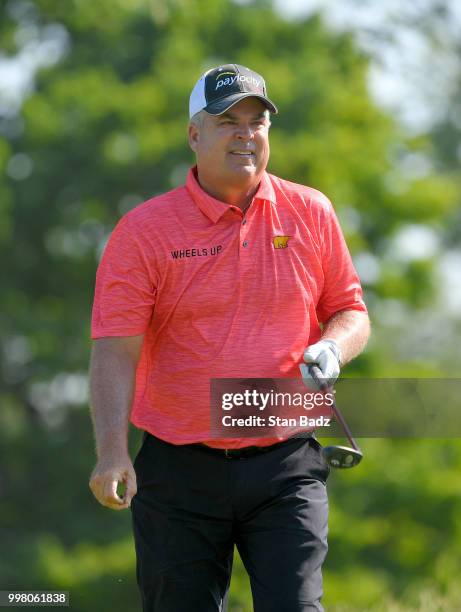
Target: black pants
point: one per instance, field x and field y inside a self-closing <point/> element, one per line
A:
<point x="192" y="507"/>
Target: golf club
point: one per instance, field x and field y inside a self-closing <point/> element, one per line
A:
<point x="337" y="456"/>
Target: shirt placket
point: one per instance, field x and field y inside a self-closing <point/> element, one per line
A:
<point x="244" y="240"/>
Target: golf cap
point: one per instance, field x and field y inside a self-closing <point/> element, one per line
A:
<point x="220" y="88"/>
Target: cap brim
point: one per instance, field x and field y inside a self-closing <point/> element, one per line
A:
<point x="221" y="106"/>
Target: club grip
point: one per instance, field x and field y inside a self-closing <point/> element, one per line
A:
<point x="316" y="374"/>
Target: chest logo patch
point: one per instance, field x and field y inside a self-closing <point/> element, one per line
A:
<point x="280" y="242"/>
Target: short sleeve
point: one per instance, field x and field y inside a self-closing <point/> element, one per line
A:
<point x="342" y="289"/>
<point x="125" y="286"/>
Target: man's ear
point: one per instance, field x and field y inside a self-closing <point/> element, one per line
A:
<point x="193" y="136"/>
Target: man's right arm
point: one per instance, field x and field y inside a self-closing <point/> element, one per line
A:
<point x="112" y="382"/>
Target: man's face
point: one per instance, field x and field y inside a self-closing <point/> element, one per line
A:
<point x="233" y="147"/>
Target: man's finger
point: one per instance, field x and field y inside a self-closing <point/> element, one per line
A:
<point x="308" y="380"/>
<point x="110" y="492"/>
<point x="309" y="356"/>
<point x="114" y="506"/>
<point x="131" y="488"/>
<point x="98" y="489"/>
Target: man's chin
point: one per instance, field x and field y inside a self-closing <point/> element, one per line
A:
<point x="248" y="169"/>
<point x="245" y="169"/>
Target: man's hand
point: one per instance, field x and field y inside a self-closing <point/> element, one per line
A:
<point x="109" y="471"/>
<point x="326" y="355"/>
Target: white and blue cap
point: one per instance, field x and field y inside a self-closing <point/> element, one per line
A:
<point x="220" y="88"/>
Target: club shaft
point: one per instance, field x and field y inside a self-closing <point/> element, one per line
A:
<point x="316" y="374"/>
<point x="339" y="417"/>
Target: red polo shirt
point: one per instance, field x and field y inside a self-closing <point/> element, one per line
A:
<point x="220" y="295"/>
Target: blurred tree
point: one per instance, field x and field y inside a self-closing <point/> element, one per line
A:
<point x="105" y="128"/>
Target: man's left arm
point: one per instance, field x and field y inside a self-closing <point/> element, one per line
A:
<point x="350" y="329"/>
<point x="346" y="326"/>
<point x="344" y="337"/>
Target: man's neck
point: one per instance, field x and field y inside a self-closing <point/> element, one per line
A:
<point x="241" y="198"/>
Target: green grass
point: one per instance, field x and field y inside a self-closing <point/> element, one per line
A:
<point x="422" y="599"/>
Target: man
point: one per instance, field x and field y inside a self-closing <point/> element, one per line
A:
<point x="236" y="274"/>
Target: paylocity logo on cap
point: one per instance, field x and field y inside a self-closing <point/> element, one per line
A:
<point x="230" y="80"/>
<point x="220" y="88"/>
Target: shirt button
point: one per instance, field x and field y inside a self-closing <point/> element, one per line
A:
<point x="245" y="243"/>
<point x="244" y="222"/>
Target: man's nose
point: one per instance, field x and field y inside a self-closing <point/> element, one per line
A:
<point x="245" y="131"/>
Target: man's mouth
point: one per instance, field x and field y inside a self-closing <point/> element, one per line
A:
<point x="249" y="154"/>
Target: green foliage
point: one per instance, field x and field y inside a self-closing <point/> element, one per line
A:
<point x="105" y="129"/>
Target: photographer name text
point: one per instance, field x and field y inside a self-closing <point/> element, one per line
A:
<point x="275" y="421"/>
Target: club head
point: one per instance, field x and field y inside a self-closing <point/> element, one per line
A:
<point x="341" y="456"/>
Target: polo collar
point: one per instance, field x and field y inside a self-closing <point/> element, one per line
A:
<point x="214" y="209"/>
